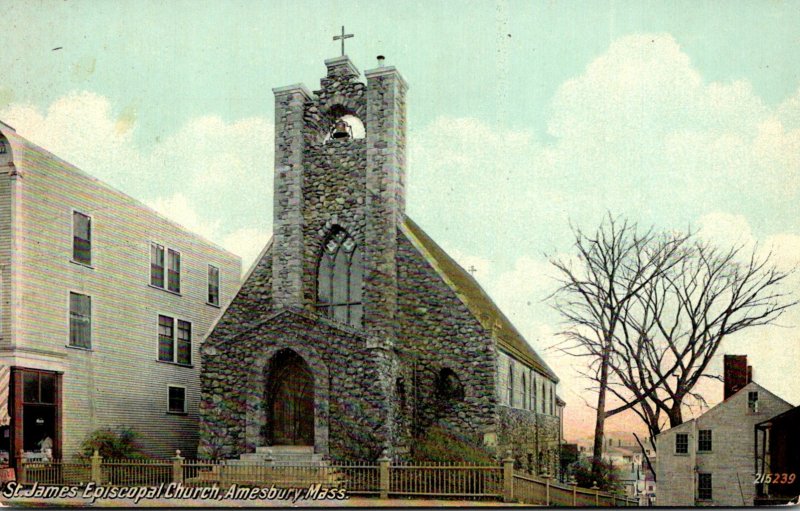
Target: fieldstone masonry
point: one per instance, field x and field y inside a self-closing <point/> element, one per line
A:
<point x="379" y="386"/>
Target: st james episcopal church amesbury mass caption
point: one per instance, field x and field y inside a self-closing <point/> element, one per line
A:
<point x="354" y="332"/>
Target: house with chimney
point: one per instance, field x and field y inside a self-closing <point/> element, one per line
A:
<point x="709" y="460"/>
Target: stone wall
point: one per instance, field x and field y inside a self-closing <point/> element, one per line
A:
<point x="532" y="438"/>
<point x="435" y="331"/>
<point x="290" y="139"/>
<point x="333" y="194"/>
<point x="350" y="409"/>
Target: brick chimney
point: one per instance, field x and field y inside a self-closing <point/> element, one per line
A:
<point x="736" y="375"/>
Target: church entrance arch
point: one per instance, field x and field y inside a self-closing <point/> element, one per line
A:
<point x="290" y="400"/>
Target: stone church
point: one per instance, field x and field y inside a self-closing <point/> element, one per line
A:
<point x="354" y="332"/>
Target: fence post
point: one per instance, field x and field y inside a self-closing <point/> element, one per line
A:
<point x="596" y="493"/>
<point x="177" y="467"/>
<point x="97" y="473"/>
<point x="22" y="475"/>
<point x="508" y="478"/>
<point x="574" y="483"/>
<point x="546" y="476"/>
<point x="383" y="464"/>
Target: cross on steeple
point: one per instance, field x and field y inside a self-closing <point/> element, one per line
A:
<point x="342" y="37"/>
<point x="472" y="269"/>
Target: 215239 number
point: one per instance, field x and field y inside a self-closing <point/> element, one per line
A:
<point x="782" y="478"/>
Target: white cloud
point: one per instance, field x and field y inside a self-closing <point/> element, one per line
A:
<point x="211" y="176"/>
<point x="178" y="209"/>
<point x="247" y="243"/>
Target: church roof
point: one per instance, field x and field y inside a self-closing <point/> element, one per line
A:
<point x="475" y="298"/>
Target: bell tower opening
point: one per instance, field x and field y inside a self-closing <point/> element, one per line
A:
<point x="344" y="124"/>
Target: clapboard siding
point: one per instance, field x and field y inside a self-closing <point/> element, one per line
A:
<point x="5" y="244"/>
<point x="119" y="382"/>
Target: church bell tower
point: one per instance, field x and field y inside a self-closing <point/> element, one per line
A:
<point x="339" y="196"/>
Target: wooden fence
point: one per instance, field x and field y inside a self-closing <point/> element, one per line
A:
<point x="532" y="490"/>
<point x="384" y="479"/>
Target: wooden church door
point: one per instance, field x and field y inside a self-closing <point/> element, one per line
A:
<point x="291" y="401"/>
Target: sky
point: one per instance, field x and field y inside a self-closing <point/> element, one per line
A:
<point x="524" y="118"/>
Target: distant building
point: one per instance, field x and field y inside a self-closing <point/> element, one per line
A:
<point x="709" y="460"/>
<point x="777" y="464"/>
<point x="104" y="304"/>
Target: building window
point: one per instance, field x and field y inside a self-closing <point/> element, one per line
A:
<point x="533" y="392"/>
<point x="546" y="397"/>
<point x="184" y="342"/>
<point x="704" y="487"/>
<point x="704" y="440"/>
<point x="38" y="388"/>
<point x="449" y="386"/>
<point x="524" y="392"/>
<point x="81" y="238"/>
<point x="752" y="402"/>
<point x="213" y="285"/>
<point x="176" y="399"/>
<point x="172" y="347"/>
<point x="166" y="338"/>
<point x="400" y="385"/>
<point x="682" y="443"/>
<point x="156" y="265"/>
<point x="339" y="279"/>
<point x="174" y="271"/>
<point x="3" y="147"/>
<point x="510" y="383"/>
<point x="80" y="320"/>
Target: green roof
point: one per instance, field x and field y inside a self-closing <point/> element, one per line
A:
<point x="475" y="298"/>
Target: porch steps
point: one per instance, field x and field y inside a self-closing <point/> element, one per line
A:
<point x="285" y="455"/>
<point x="283" y="466"/>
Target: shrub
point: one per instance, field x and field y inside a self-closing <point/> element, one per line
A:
<point x="440" y="444"/>
<point x="112" y="444"/>
<point x="607" y="477"/>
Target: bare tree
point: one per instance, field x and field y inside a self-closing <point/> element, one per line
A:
<point x="676" y="324"/>
<point x="613" y="265"/>
<point x="650" y="311"/>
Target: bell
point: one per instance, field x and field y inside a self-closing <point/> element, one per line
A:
<point x="341" y="129"/>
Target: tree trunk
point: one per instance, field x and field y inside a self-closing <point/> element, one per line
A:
<point x="599" y="426"/>
<point x="675" y="415"/>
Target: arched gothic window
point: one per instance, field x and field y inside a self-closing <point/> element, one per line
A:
<point x="339" y="279"/>
<point x="525" y="403"/>
<point x="511" y="384"/>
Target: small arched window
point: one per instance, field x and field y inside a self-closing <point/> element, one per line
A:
<point x="525" y="402"/>
<point x="339" y="279"/>
<point x="511" y="384"/>
<point x="400" y="384"/>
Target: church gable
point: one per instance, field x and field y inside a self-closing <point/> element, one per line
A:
<point x="479" y="304"/>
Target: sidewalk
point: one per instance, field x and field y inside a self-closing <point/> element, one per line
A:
<point x="164" y="503"/>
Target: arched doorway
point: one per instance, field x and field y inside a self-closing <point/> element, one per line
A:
<point x="290" y="400"/>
